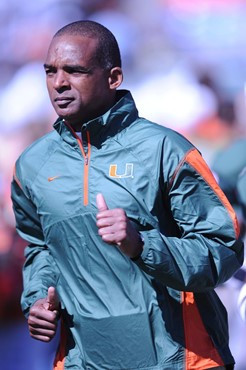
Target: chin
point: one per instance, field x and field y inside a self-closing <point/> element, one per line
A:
<point x="72" y="119"/>
<point x="65" y="114"/>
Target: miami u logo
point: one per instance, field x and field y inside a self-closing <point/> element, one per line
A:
<point x="128" y="171"/>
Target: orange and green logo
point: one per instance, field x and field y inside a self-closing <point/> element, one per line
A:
<point x="128" y="171"/>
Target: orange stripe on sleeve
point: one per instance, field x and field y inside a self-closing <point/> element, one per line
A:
<point x="197" y="162"/>
<point x="16" y="178"/>
<point x="59" y="363"/>
<point x="200" y="352"/>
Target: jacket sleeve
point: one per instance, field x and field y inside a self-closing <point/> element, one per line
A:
<point x="39" y="270"/>
<point x="208" y="251"/>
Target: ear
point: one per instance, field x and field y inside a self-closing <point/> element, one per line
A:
<point x="115" y="78"/>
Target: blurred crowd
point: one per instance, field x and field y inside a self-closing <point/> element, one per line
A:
<point x="185" y="64"/>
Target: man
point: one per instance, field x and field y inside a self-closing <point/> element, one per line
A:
<point x="129" y="232"/>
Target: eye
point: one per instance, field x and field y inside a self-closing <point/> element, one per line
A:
<point x="76" y="71"/>
<point x="50" y="71"/>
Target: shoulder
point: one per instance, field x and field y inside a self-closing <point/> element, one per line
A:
<point x="158" y="137"/>
<point x="35" y="155"/>
<point x="159" y="149"/>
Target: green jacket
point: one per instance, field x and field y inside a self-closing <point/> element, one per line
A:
<point x="160" y="311"/>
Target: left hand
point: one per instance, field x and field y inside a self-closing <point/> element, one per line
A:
<point x="43" y="316"/>
<point x="115" y="228"/>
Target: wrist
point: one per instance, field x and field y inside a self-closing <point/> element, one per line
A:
<point x="140" y="245"/>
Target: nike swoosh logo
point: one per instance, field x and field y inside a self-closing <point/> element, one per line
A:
<point x="53" y="178"/>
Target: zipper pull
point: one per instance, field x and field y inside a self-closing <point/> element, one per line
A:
<point x="86" y="161"/>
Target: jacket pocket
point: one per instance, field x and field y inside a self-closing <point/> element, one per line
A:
<point x="119" y="342"/>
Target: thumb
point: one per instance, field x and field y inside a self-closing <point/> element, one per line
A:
<point x="53" y="299"/>
<point x="101" y="204"/>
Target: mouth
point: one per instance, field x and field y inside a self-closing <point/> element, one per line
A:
<point x="63" y="101"/>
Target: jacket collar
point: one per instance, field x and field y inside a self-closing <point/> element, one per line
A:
<point x="121" y="115"/>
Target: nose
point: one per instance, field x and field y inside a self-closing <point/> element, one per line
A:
<point x="60" y="80"/>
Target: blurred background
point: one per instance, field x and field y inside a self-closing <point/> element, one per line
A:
<point x="185" y="64"/>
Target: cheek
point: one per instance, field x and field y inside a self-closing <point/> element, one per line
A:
<point x="89" y="90"/>
<point x="85" y="94"/>
<point x="49" y="87"/>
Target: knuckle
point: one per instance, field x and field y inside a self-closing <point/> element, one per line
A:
<point x="32" y="334"/>
<point x="98" y="223"/>
<point x="122" y="225"/>
<point x="120" y="212"/>
<point x="54" y="318"/>
<point x="30" y="322"/>
<point x="123" y="234"/>
<point x="32" y="311"/>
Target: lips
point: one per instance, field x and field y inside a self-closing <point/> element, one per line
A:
<point x="63" y="100"/>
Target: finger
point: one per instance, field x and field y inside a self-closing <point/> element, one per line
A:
<point x="101" y="204"/>
<point x="37" y="323"/>
<point x="42" y="338"/>
<point x="57" y="313"/>
<point x="40" y="331"/>
<point x="117" y="214"/>
<point x="106" y="221"/>
<point x="105" y="231"/>
<point x="53" y="299"/>
<point x="42" y="314"/>
<point x="116" y="229"/>
<point x="114" y="238"/>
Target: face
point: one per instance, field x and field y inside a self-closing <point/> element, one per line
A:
<point x="79" y="89"/>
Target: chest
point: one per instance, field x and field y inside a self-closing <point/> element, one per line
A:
<point x="68" y="183"/>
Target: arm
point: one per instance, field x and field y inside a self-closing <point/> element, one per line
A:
<point x="208" y="252"/>
<point x="39" y="271"/>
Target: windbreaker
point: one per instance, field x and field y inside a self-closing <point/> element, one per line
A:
<point x="154" y="313"/>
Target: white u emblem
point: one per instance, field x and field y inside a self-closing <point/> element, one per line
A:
<point x="128" y="171"/>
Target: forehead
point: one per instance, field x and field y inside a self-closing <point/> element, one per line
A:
<point x="71" y="49"/>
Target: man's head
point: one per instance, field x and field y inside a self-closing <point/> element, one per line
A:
<point x="107" y="52"/>
<point x="83" y="69"/>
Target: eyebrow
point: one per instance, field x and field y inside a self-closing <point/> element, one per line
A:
<point x="47" y="65"/>
<point x="74" y="67"/>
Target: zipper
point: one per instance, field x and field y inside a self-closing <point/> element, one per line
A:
<point x="86" y="157"/>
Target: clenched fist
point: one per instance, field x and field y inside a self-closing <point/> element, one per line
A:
<point x="43" y="317"/>
<point x="115" y="228"/>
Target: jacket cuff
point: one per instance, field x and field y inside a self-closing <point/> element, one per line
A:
<point x="27" y="303"/>
<point x="146" y="244"/>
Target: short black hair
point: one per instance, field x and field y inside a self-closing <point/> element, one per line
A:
<point x="108" y="52"/>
